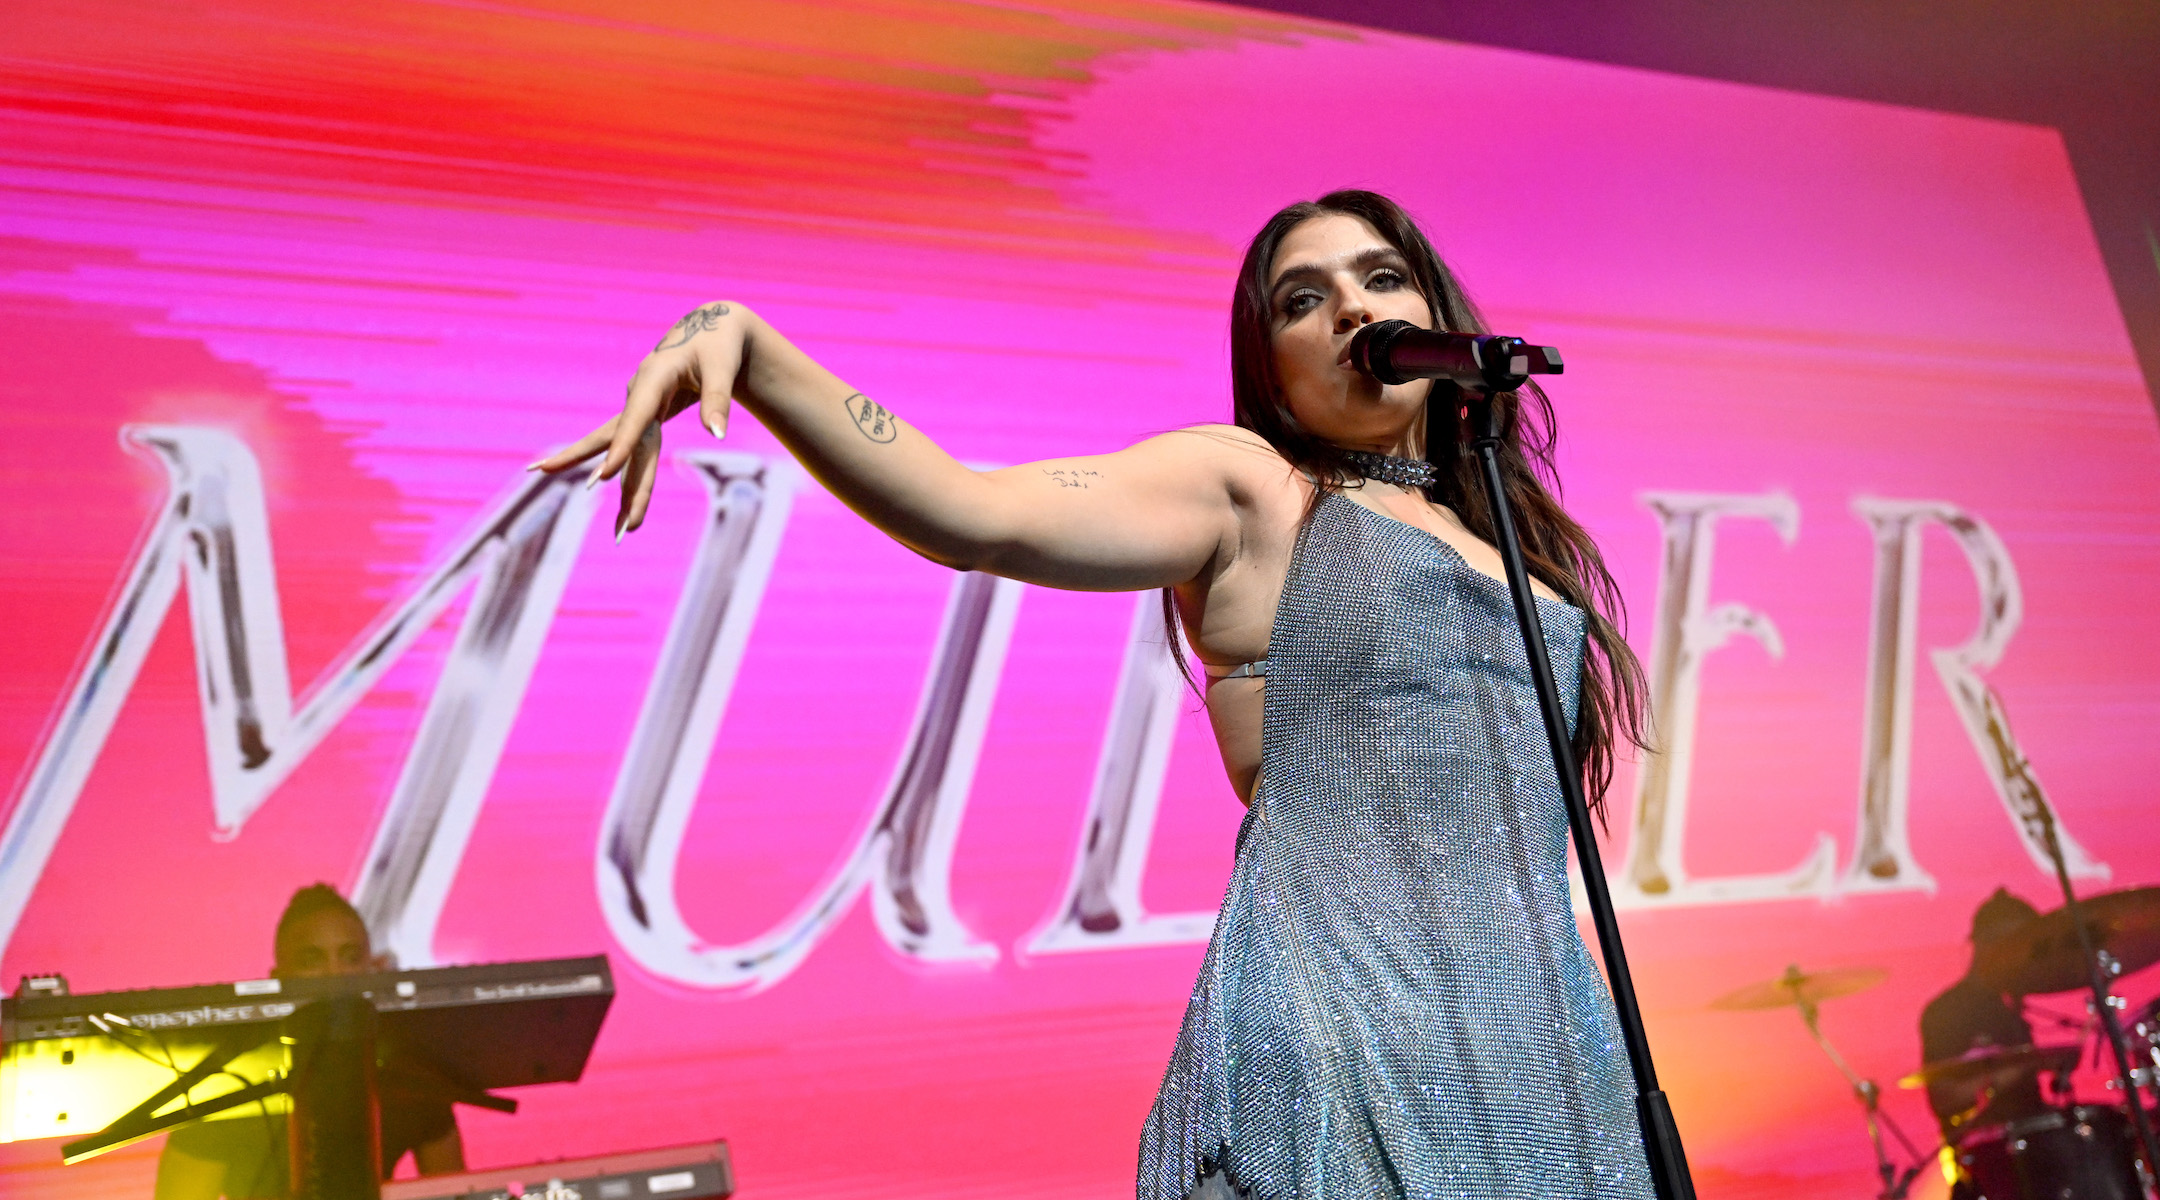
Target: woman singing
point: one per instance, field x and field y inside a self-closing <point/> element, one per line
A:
<point x="1397" y="1001"/>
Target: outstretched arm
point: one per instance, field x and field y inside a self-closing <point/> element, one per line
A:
<point x="1153" y="515"/>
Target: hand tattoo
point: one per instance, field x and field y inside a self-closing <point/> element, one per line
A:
<point x="874" y="420"/>
<point x="1072" y="478"/>
<point x="694" y="322"/>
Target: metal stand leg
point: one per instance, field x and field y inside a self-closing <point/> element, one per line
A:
<point x="336" y="1143"/>
<point x="1895" y="1183"/>
<point x="1661" y="1138"/>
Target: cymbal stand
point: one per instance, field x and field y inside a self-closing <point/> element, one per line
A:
<point x="1895" y="1183"/>
<point x="2040" y="815"/>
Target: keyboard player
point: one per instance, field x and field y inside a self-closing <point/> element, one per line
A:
<point x="319" y="935"/>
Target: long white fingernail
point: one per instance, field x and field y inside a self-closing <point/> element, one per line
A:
<point x="593" y="480"/>
<point x="535" y="464"/>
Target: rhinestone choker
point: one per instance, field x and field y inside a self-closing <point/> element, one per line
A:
<point x="1402" y="472"/>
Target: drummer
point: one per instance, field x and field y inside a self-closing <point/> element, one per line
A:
<point x="1978" y="1012"/>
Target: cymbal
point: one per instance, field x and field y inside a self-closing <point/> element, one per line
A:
<point x="1796" y="987"/>
<point x="2043" y="955"/>
<point x="1989" y="1067"/>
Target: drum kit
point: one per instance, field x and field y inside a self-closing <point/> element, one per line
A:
<point x="2067" y="1150"/>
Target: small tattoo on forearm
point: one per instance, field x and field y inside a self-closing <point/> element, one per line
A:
<point x="1072" y="477"/>
<point x="693" y="323"/>
<point x="874" y="420"/>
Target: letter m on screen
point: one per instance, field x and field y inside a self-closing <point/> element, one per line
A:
<point x="212" y="534"/>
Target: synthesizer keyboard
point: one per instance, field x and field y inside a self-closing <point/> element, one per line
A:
<point x="72" y="1064"/>
<point x="692" y="1172"/>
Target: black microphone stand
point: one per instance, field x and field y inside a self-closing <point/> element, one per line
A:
<point x="1500" y="358"/>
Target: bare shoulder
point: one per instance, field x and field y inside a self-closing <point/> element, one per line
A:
<point x="1266" y="492"/>
<point x="1231" y="440"/>
<point x="1241" y="458"/>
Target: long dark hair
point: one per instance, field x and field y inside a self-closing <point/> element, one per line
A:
<point x="1557" y="550"/>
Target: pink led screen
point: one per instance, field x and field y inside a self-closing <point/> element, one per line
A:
<point x="339" y="271"/>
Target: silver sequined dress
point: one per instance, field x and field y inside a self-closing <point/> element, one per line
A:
<point x="1397" y="1001"/>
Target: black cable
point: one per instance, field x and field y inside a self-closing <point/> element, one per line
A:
<point x="112" y="1031"/>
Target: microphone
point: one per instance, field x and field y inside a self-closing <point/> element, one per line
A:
<point x="1398" y="352"/>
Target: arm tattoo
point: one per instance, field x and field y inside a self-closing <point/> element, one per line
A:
<point x="1073" y="477"/>
<point x="874" y="420"/>
<point x="694" y="322"/>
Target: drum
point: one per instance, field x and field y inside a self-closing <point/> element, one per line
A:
<point x="1985" y="1171"/>
<point x="2085" y="1152"/>
<point x="2144" y="1036"/>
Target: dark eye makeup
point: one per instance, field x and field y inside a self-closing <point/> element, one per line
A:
<point x="1388" y="274"/>
<point x="1304" y="299"/>
<point x="1300" y="302"/>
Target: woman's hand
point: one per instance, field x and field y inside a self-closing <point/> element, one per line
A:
<point x="696" y="362"/>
